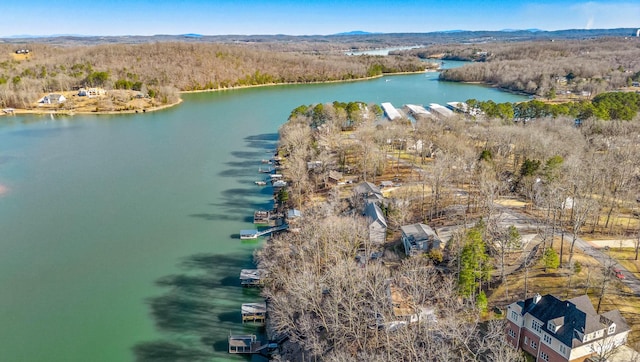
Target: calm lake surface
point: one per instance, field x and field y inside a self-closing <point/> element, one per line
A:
<point x="122" y="231"/>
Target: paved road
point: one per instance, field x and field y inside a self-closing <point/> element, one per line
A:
<point x="512" y="216"/>
<point x="630" y="279"/>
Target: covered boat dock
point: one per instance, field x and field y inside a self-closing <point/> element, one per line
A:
<point x="391" y="111"/>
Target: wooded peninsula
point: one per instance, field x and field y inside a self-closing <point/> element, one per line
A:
<point x="552" y="66"/>
<point x="416" y="237"/>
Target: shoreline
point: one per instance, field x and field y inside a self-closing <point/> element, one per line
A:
<point x="18" y="111"/>
<point x="303" y="83"/>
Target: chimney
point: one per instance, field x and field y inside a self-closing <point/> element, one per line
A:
<point x="536" y="298"/>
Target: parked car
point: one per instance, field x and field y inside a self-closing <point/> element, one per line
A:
<point x="617" y="272"/>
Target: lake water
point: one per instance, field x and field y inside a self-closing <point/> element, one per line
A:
<point x="122" y="231"/>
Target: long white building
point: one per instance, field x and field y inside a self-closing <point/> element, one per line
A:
<point x="439" y="110"/>
<point x="391" y="111"/>
<point x="416" y="110"/>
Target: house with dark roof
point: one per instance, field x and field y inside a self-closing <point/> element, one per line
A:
<point x="377" y="223"/>
<point x="419" y="238"/>
<point x="571" y="330"/>
<point x="367" y="192"/>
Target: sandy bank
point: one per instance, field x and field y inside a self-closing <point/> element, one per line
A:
<point x="71" y="112"/>
<point x="157" y="108"/>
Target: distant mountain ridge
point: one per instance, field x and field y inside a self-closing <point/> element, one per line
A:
<point x="439" y="37"/>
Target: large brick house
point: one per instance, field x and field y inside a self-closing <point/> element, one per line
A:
<point x="553" y="330"/>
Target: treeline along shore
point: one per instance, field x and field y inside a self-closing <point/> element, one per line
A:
<point x="490" y="193"/>
<point x="553" y="67"/>
<point x="162" y="70"/>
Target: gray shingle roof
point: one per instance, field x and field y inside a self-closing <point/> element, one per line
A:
<point x="367" y="188"/>
<point x="374" y="213"/>
<point x="574" y="316"/>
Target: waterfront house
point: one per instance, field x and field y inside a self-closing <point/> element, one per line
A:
<point x="571" y="330"/>
<point x="419" y="238"/>
<point x="334" y="177"/>
<point x="91" y="92"/>
<point x="377" y="223"/>
<point x="52" y="98"/>
<point x="367" y="192"/>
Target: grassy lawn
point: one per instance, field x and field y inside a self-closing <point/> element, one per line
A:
<point x="626" y="257"/>
<point x="561" y="283"/>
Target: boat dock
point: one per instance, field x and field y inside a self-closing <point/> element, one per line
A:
<point x="391" y="111"/>
<point x="460" y="107"/>
<point x="251" y="278"/>
<point x="262" y="217"/>
<point x="253" y="234"/>
<point x="255" y="313"/>
<point x="416" y="110"/>
<point x="268" y="217"/>
<point x="439" y="110"/>
<point x="248" y="234"/>
<point x="244" y="343"/>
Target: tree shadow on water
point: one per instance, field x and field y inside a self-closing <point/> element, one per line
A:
<point x="265" y="141"/>
<point x="198" y="310"/>
<point x="166" y="351"/>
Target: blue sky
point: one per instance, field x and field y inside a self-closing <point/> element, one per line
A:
<point x="300" y="17"/>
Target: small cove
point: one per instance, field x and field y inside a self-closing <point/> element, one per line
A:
<point x="121" y="230"/>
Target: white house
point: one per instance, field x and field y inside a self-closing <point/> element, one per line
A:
<point x="52" y="98"/>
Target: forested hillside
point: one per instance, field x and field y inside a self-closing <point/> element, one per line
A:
<point x="169" y="67"/>
<point x="334" y="303"/>
<point x="546" y="68"/>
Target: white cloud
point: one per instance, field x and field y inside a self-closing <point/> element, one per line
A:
<point x="604" y="15"/>
<point x="583" y="15"/>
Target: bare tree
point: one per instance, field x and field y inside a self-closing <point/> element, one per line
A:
<point x="582" y="207"/>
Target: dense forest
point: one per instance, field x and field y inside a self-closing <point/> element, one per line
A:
<point x="165" y="68"/>
<point x="549" y="68"/>
<point x="604" y="106"/>
<point x="332" y="306"/>
<point x="546" y="68"/>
